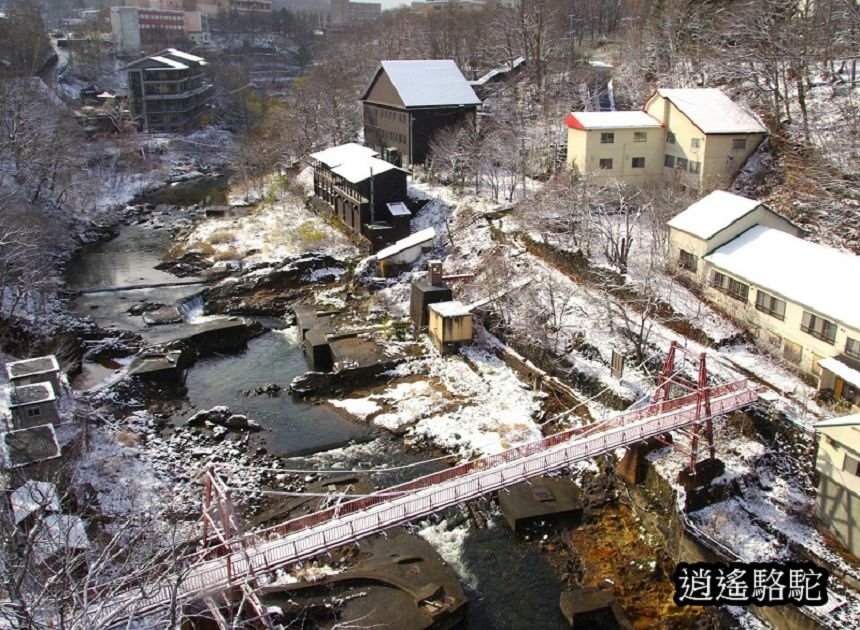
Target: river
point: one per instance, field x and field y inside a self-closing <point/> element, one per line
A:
<point x="509" y="582"/>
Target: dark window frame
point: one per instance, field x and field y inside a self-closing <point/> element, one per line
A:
<point x="641" y="162"/>
<point x="607" y="137"/>
<point x="819" y="327"/>
<point x="605" y="164"/>
<point x="770" y="304"/>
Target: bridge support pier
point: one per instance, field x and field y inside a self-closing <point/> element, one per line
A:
<point x="634" y="465"/>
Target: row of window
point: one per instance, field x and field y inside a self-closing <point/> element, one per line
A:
<point x="163" y="27"/>
<point x="738" y="144"/>
<point x="682" y="164"/>
<point x="813" y="325"/>
<point x="608" y="137"/>
<point x="605" y="164"/>
<point x="389" y="137"/>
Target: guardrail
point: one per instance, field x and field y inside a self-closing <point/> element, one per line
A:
<point x="310" y="535"/>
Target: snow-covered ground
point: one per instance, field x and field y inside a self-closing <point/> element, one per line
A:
<point x="471" y="404"/>
<point x="273" y="231"/>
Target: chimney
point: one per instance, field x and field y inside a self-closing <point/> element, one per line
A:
<point x="435" y="267"/>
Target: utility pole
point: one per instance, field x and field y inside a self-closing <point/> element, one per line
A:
<point x="372" y="204"/>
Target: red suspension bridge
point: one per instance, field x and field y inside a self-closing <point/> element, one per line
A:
<point x="230" y="561"/>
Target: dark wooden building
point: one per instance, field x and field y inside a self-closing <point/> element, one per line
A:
<point x="363" y="191"/>
<point x="168" y="91"/>
<point x="408" y="101"/>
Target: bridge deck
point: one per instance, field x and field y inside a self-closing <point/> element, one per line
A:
<point x="302" y="538"/>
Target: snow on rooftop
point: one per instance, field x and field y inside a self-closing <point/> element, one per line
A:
<point x="335" y="156"/>
<point x="58" y="532"/>
<point x="427" y="82"/>
<point x="33" y="366"/>
<point x="33" y="496"/>
<point x="360" y="169"/>
<point x="31" y="394"/>
<point x="611" y="120"/>
<point x="186" y="56"/>
<point x="450" y="309"/>
<point x="799" y="271"/>
<point x="422" y="236"/>
<point x="516" y="63"/>
<point x="846" y="373"/>
<point x="713" y="213"/>
<point x="399" y="209"/>
<point x="167" y="61"/>
<point x="712" y="111"/>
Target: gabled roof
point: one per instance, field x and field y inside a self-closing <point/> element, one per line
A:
<point x="712" y="111"/>
<point x="713" y="213"/>
<point x="335" y="156"/>
<point x="427" y="82"/>
<point x="808" y="274"/>
<point x="611" y="120"/>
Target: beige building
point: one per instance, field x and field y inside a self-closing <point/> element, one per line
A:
<point x="838" y="466"/>
<point x="626" y="146"/>
<point x="704" y="139"/>
<point x="450" y="324"/>
<point x="790" y="293"/>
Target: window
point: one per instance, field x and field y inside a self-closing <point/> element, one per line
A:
<point x="695" y="167"/>
<point x="739" y="144"/>
<point x="818" y="327"/>
<point x="639" y="162"/>
<point x="607" y="137"/>
<point x="687" y="261"/>
<point x="767" y="303"/>
<point x="852" y="348"/>
<point x="670" y="137"/>
<point x="851" y="465"/>
<point x="34" y="412"/>
<point x="640" y="136"/>
<point x="669" y="161"/>
<point x="792" y="352"/>
<point x="733" y="288"/>
<point x="681" y="164"/>
<point x="695" y="143"/>
<point x="606" y="164"/>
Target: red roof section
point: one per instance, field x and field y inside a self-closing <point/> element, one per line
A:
<point x="572" y="122"/>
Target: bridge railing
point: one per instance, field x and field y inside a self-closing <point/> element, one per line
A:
<point x="264" y="553"/>
<point x="512" y="454"/>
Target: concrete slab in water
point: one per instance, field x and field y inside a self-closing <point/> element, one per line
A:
<point x="541" y="498"/>
<point x="593" y="609"/>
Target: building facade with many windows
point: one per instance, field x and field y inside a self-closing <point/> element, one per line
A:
<point x="699" y="137"/>
<point x="409" y="101"/>
<point x="789" y="292"/>
<point x="168" y="91"/>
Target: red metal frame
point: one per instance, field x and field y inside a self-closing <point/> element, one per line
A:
<point x="671" y="375"/>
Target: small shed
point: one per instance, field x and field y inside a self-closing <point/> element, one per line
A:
<point x="450" y="324"/>
<point x="35" y="370"/>
<point x="426" y="291"/>
<point x="33" y="405"/>
<point x="400" y="217"/>
<point x="397" y="257"/>
<point x="841" y="375"/>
